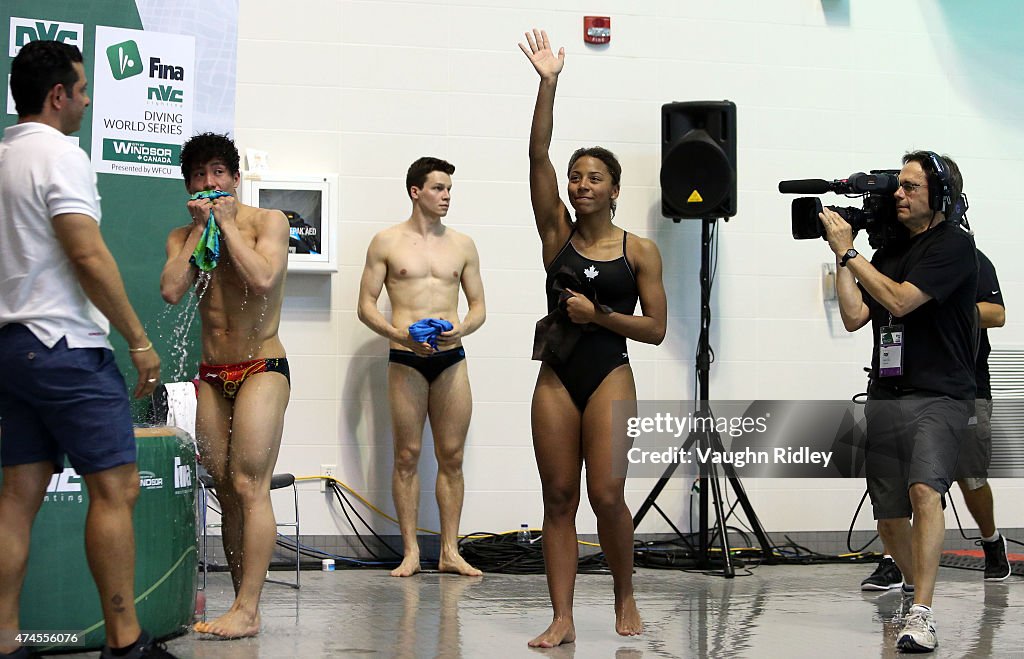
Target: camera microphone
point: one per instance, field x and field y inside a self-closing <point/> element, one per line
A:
<point x="806" y="186"/>
<point x="878" y="181"/>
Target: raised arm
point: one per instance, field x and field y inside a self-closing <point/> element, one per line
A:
<point x="263" y="265"/>
<point x="852" y="309"/>
<point x="898" y="298"/>
<point x="179" y="274"/>
<point x="550" y="213"/>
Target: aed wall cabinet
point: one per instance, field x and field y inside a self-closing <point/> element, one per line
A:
<point x="310" y="202"/>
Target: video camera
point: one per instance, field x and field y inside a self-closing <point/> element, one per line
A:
<point x="877" y="215"/>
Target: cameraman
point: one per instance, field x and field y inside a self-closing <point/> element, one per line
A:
<point x="919" y="295"/>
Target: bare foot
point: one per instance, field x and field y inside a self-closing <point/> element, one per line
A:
<point x="627" y="618"/>
<point x="410" y="566"/>
<point x="233" y="624"/>
<point x="561" y="630"/>
<point x="457" y="565"/>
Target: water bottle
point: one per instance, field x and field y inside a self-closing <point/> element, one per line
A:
<point x="200" y="610"/>
<point x="523" y="535"/>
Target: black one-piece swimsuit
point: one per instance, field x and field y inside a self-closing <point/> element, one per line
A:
<point x="598" y="352"/>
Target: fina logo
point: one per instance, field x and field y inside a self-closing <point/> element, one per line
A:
<point x="182" y="474"/>
<point x="124" y="59"/>
<point x="165" y="93"/>
<point x="149" y="481"/>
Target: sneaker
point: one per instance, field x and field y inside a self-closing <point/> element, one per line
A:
<point x="997" y="567"/>
<point x="885" y="576"/>
<point x="21" y="653"/>
<point x="918" y="633"/>
<point x="144" y="648"/>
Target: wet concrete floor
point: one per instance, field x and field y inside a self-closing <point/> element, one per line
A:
<point x="772" y="611"/>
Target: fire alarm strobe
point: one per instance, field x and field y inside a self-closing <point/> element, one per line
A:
<point x="597" y="29"/>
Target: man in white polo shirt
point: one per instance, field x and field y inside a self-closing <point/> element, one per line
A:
<point x="61" y="393"/>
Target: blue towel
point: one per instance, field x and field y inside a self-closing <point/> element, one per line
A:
<point x="426" y="330"/>
<point x="207" y="252"/>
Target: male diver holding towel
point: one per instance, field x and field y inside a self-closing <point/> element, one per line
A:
<point x="423" y="263"/>
<point x="244" y="379"/>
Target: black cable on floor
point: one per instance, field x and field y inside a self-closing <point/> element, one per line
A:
<point x="342" y="501"/>
<point x="959" y="524"/>
<point x="853" y="522"/>
<point x="502" y="553"/>
<point x="343" y="562"/>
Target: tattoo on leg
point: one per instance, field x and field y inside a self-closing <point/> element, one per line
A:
<point x="117" y="600"/>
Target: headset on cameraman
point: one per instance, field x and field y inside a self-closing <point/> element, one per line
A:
<point x="942" y="198"/>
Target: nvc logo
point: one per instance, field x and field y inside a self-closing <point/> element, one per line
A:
<point x="24" y="30"/>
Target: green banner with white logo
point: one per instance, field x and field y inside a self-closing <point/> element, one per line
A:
<point x="141" y="152"/>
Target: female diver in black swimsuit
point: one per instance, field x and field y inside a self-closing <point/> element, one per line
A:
<point x="572" y="402"/>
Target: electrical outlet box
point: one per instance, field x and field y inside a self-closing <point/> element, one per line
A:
<point x="328" y="471"/>
<point x="828" y="281"/>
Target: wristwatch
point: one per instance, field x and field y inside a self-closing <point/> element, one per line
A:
<point x="850" y="253"/>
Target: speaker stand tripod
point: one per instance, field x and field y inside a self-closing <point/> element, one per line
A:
<point x="709" y="439"/>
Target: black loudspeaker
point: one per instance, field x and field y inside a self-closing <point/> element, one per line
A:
<point x="698" y="159"/>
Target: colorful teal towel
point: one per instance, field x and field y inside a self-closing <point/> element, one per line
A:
<point x="207" y="252"/>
